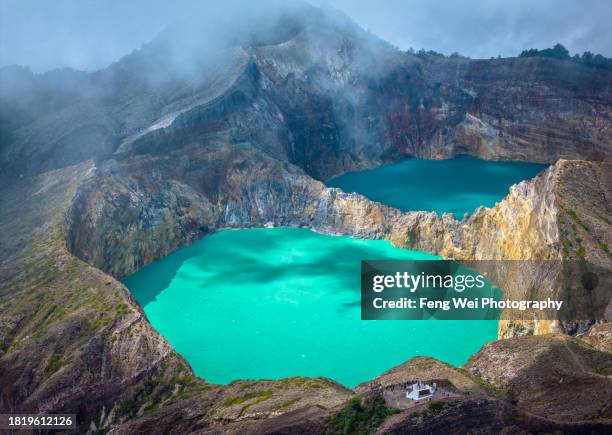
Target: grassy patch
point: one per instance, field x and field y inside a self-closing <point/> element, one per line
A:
<point x="192" y="389"/>
<point x="605" y="248"/>
<point x="127" y="407"/>
<point x="577" y="219"/>
<point x="489" y="388"/>
<point x="288" y="403"/>
<point x="246" y="385"/>
<point x="260" y="396"/>
<point x="54" y="364"/>
<point x="183" y="379"/>
<point x="436" y="405"/>
<point x="302" y="383"/>
<point x="359" y="417"/>
<point x="122" y="309"/>
<point x="605" y="219"/>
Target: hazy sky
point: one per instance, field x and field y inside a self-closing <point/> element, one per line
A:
<point x="90" y="34"/>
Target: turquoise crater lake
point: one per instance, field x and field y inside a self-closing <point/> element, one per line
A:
<point x="457" y="186"/>
<point x="274" y="303"/>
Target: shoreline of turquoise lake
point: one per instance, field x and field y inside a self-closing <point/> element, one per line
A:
<point x="281" y="302"/>
<point x="457" y="186"/>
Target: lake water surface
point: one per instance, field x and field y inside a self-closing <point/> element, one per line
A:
<point x="455" y="186"/>
<point x="274" y="303"/>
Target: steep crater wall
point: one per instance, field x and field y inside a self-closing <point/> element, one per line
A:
<point x="142" y="207"/>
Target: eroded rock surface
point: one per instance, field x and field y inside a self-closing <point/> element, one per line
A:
<point x="557" y="376"/>
<point x="98" y="183"/>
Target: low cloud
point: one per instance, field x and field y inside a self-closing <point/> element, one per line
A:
<point x="89" y="35"/>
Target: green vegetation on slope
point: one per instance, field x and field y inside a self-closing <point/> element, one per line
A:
<point x="359" y="417"/>
<point x="560" y="52"/>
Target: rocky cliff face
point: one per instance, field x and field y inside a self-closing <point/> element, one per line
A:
<point x="139" y="208"/>
<point x="144" y="160"/>
<point x="322" y="96"/>
<point x="508" y="384"/>
<point x="526" y="368"/>
<point x="63" y="318"/>
<point x="73" y="339"/>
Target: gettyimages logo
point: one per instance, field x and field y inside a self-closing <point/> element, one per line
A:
<point x="480" y="290"/>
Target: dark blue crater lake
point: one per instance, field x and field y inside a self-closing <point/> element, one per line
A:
<point x="457" y="186"/>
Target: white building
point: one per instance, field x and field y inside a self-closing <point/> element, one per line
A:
<point x="419" y="391"/>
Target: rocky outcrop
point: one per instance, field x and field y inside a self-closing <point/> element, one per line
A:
<point x="512" y="115"/>
<point x="527" y="384"/>
<point x="427" y="370"/>
<point x="325" y="97"/>
<point x="527" y="368"/>
<point x="72" y="339"/>
<point x="482" y="416"/>
<point x="159" y="161"/>
<point x="600" y="336"/>
<point x="65" y="320"/>
<point x="139" y="208"/>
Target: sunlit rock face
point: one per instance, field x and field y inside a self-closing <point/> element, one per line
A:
<point x="240" y="147"/>
<point x="149" y="217"/>
<point x="120" y="167"/>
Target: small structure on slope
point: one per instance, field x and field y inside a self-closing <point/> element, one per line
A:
<point x="419" y="391"/>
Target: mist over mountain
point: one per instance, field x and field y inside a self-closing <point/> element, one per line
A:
<point x="90" y="35"/>
<point x="234" y="117"/>
<point x="190" y="25"/>
<point x="194" y="60"/>
<point x="370" y="101"/>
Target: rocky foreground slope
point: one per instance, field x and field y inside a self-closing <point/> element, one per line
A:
<point x="103" y="173"/>
<point x="74" y="339"/>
